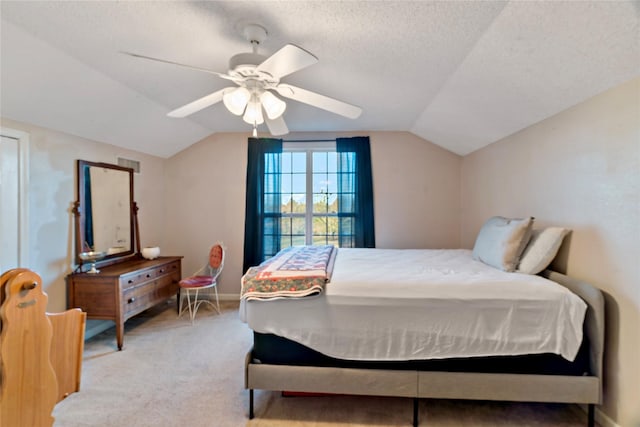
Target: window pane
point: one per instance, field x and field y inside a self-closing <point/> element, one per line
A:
<point x="271" y="182"/>
<point x="320" y="240"/>
<point x="319" y="225"/>
<point x="332" y="183"/>
<point x="269" y="243"/>
<point x="346" y="226"/>
<point x="298" y="203"/>
<point x="270" y="225"/>
<point x="333" y="203"/>
<point x="346" y="182"/>
<point x="285" y="183"/>
<point x="299" y="183"/>
<point x="333" y="240"/>
<point x="285" y="206"/>
<point x="272" y="203"/>
<point x="332" y="226"/>
<point x="299" y="161"/>
<point x="320" y="183"/>
<point x="285" y="225"/>
<point x="332" y="162"/>
<point x="285" y="241"/>
<point x="346" y="201"/>
<point x="286" y="162"/>
<point x="297" y="241"/>
<point x="320" y="203"/>
<point x="319" y="162"/>
<point x="298" y="226"/>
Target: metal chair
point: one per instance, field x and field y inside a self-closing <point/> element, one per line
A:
<point x="203" y="279"/>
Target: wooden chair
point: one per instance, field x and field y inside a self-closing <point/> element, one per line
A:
<point x="40" y="353"/>
<point x="203" y="279"/>
<point x="67" y="346"/>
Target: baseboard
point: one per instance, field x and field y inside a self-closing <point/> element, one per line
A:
<point x="229" y="297"/>
<point x="601" y="418"/>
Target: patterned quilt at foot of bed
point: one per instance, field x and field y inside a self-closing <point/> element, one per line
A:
<point x="293" y="272"/>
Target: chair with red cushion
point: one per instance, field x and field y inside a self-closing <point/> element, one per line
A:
<point x="203" y="279"/>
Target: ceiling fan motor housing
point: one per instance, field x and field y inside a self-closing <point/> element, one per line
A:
<point x="247" y="60"/>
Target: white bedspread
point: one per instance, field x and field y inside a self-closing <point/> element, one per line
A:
<point x="392" y="304"/>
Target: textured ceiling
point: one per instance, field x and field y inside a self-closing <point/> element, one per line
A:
<point x="459" y="74"/>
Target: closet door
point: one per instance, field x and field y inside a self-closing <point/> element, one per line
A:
<point x="9" y="204"/>
<point x="14" y="184"/>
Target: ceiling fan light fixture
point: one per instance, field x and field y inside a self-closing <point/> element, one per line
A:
<point x="253" y="113"/>
<point x="236" y="100"/>
<point x="273" y="106"/>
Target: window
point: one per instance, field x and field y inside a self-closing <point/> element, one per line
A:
<point x="309" y="193"/>
<point x="310" y="196"/>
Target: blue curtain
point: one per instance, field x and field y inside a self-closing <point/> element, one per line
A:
<point x="262" y="209"/>
<point x="355" y="193"/>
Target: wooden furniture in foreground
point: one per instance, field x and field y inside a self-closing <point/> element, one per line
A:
<point x="67" y="345"/>
<point x="122" y="290"/>
<point x="40" y="353"/>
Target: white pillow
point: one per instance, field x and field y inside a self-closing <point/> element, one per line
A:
<point x="541" y="249"/>
<point x="501" y="241"/>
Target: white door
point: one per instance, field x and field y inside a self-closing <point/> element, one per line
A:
<point x="13" y="197"/>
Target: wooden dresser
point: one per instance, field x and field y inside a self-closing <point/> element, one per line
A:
<point x="122" y="290"/>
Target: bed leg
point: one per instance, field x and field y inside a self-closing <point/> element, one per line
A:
<point x="591" y="421"/>
<point x="415" y="412"/>
<point x="250" y="403"/>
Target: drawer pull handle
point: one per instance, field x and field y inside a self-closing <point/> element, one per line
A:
<point x="161" y="270"/>
<point x="130" y="300"/>
<point x="130" y="281"/>
<point x="148" y="275"/>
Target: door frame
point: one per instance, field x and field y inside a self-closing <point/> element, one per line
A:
<point x="23" y="192"/>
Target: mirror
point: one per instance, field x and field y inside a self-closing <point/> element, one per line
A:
<point x="105" y="211"/>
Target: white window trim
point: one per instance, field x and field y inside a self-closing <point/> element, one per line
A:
<point x="23" y="192"/>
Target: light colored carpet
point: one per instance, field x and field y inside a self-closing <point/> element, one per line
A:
<point x="171" y="373"/>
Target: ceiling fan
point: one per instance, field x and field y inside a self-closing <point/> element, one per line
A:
<point x="257" y="77"/>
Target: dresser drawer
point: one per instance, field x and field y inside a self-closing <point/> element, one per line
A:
<point x="139" y="298"/>
<point x="171" y="268"/>
<point x="144" y="295"/>
<point x="134" y="279"/>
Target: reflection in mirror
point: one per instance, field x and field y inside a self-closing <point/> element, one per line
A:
<point x="105" y="210"/>
<point x="109" y="229"/>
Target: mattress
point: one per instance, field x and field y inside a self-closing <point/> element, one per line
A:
<point x="412" y="304"/>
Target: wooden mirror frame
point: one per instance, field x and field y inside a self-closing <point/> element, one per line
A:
<point x="79" y="211"/>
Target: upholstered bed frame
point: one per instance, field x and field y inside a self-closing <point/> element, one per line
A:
<point x="416" y="384"/>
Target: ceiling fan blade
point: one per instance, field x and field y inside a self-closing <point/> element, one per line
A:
<point x="198" y="104"/>
<point x="135" y="55"/>
<point x="320" y="101"/>
<point x="287" y="60"/>
<point x="276" y="126"/>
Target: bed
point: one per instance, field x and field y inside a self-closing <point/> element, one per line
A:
<point x="427" y="324"/>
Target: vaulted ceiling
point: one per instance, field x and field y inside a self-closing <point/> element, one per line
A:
<point x="461" y="74"/>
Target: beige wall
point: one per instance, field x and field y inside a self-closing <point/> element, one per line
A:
<point x="416" y="196"/>
<point x="579" y="169"/>
<point x="52" y="190"/>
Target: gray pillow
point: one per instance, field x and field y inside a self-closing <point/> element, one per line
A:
<point x="501" y="241"/>
<point x="541" y="249"/>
